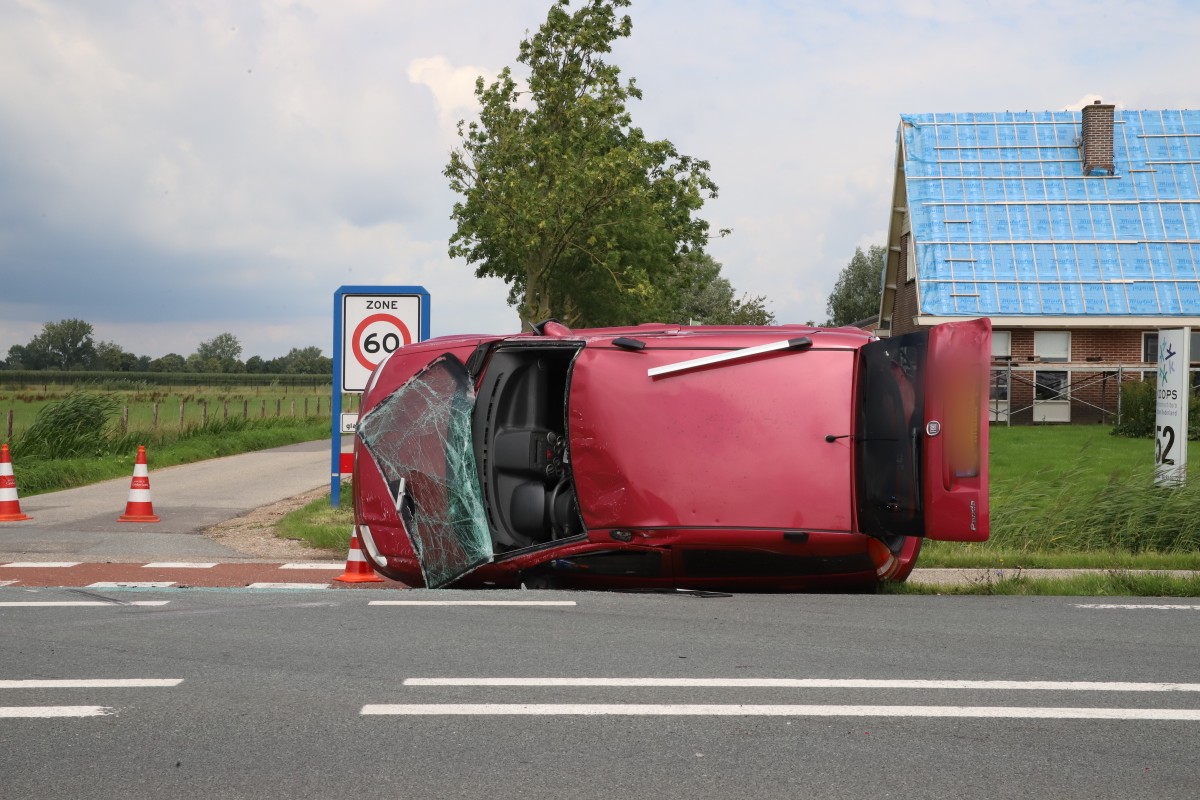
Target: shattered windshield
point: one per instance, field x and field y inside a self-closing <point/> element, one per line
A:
<point x="420" y="438"/>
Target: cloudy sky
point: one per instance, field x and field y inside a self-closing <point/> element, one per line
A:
<point x="174" y="169"/>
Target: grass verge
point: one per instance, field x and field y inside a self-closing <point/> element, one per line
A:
<point x="320" y="524"/>
<point x="1103" y="583"/>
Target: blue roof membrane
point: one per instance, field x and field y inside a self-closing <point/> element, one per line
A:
<point x="1006" y="224"/>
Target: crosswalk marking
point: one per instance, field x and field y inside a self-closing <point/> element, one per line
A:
<point x="179" y="565"/>
<point x="318" y="565"/>
<point x="268" y="585"/>
<point x="42" y="564"/>
<point x="131" y="585"/>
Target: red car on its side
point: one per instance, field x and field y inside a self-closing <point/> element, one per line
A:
<point x="660" y="456"/>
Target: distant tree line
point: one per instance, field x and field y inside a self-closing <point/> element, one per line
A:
<point x="69" y="345"/>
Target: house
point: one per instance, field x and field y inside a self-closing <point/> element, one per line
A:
<point x="1076" y="232"/>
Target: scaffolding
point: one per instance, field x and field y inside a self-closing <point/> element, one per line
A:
<point x="1088" y="385"/>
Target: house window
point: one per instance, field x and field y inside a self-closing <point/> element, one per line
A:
<point x="1052" y="345"/>
<point x="1001" y="351"/>
<point x="1150" y="346"/>
<point x="1052" y="387"/>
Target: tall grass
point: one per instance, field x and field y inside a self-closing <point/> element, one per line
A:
<point x="1077" y="496"/>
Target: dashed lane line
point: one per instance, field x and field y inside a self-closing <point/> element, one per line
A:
<point x="1139" y="606"/>
<point x="77" y="603"/>
<point x="43" y="712"/>
<point x="89" y="683"/>
<point x="471" y="603"/>
<point x="180" y="565"/>
<point x="314" y="565"/>
<point x="42" y="564"/>
<point x="813" y="683"/>
<point x="733" y="710"/>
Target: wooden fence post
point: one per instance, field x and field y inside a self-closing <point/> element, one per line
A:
<point x="204" y="412"/>
<point x="245" y="408"/>
<point x="8" y="436"/>
<point x="154" y="421"/>
<point x="124" y="420"/>
<point x="182" y="403"/>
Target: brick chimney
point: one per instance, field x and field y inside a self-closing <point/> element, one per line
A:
<point x="1096" y="144"/>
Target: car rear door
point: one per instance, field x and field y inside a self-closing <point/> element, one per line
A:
<point x="955" y="444"/>
<point x="921" y="435"/>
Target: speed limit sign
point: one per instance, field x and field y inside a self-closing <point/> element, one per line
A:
<point x="375" y="325"/>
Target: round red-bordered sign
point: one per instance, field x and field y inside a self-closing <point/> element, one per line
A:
<point x="357" y="341"/>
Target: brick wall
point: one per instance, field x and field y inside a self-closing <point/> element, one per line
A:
<point x="905" y="308"/>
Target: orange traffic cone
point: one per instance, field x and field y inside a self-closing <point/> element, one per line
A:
<point x="10" y="506"/>
<point x="139" y="508"/>
<point x="357" y="568"/>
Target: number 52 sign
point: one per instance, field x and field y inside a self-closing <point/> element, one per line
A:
<point x="1172" y="390"/>
<point x="372" y="322"/>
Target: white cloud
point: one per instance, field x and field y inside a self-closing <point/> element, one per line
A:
<point x="453" y="88"/>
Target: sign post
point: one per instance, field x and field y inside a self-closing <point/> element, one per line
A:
<point x="369" y="324"/>
<point x="1171" y="407"/>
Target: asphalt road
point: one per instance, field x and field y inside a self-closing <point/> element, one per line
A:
<point x="320" y="693"/>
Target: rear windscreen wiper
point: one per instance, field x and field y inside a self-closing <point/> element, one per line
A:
<point x="800" y="343"/>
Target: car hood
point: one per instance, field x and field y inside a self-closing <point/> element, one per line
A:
<point x="736" y="445"/>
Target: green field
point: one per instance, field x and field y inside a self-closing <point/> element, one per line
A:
<point x="172" y="408"/>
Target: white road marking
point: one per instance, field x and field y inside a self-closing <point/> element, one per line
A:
<point x="288" y="586"/>
<point x="42" y="564"/>
<point x="39" y="712"/>
<point x="1139" y="606"/>
<point x="89" y="683"/>
<point x="78" y="603"/>
<point x="8" y="583"/>
<point x="315" y="565"/>
<point x="639" y="709"/>
<point x="471" y="603"/>
<point x="131" y="585"/>
<point x="179" y="565"/>
<point x="814" y="683"/>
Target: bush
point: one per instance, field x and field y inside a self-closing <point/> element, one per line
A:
<point x="1138" y="409"/>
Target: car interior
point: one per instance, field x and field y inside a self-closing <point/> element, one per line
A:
<point x="519" y="436"/>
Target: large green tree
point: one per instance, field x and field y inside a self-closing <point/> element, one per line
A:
<point x="859" y="287"/>
<point x="700" y="295"/>
<point x="583" y="216"/>
<point x="66" y="344"/>
<point x="218" y="354"/>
